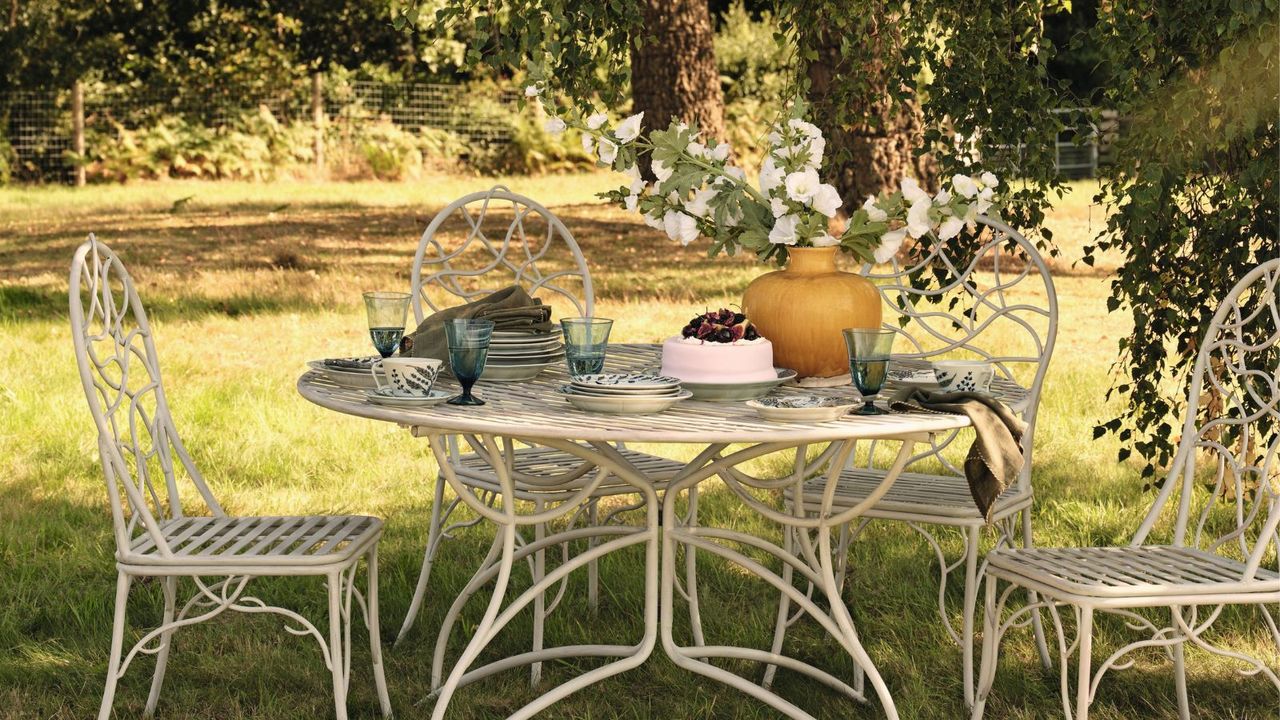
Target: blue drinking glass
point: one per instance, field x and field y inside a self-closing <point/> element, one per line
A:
<point x="468" y="350"/>
<point x="585" y="342"/>
<point x="868" y="364"/>
<point x="387" y="314"/>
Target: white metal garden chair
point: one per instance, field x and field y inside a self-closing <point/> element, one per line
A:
<point x="1224" y="542"/>
<point x="144" y="461"/>
<point x="992" y="298"/>
<point x="546" y="261"/>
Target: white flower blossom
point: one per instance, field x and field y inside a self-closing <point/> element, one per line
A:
<point x="588" y="144"/>
<point x="989" y="179"/>
<point x="971" y="218"/>
<point x="809" y="130"/>
<point x="629" y="129"/>
<point x="554" y="125"/>
<point x="653" y="220"/>
<point x="950" y="228"/>
<point x="874" y="213"/>
<point x="802" y="184"/>
<point x="985" y="199"/>
<point x="637" y="188"/>
<point x="775" y="139"/>
<point x="770" y="175"/>
<point x="784" y="230"/>
<point x="890" y="243"/>
<point x="632" y="172"/>
<point x="721" y="153"/>
<point x="680" y="226"/>
<point x="698" y="205"/>
<point x="532" y="91"/>
<point x="596" y="120"/>
<point x="661" y="171"/>
<point x="912" y="192"/>
<point x="696" y="149"/>
<point x="824" y="240"/>
<point x="817" y="147"/>
<point x="942" y="198"/>
<point x="778" y="207"/>
<point x="918" y="222"/>
<point x="964" y="185"/>
<point x="608" y="151"/>
<point x="826" y="200"/>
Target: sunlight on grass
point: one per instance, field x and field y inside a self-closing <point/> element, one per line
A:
<point x="251" y="280"/>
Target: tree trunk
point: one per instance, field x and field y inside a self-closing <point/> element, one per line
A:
<point x="673" y="67"/>
<point x="871" y="137"/>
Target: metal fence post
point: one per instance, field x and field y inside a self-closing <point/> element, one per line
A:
<point x="317" y="119"/>
<point x="77" y="129"/>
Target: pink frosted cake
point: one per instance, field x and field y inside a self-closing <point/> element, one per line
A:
<point x="719" y="347"/>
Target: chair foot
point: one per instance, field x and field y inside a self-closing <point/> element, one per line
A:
<point x="375" y="633"/>
<point x="166" y="641"/>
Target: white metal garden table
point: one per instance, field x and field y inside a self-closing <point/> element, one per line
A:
<point x="534" y="413"/>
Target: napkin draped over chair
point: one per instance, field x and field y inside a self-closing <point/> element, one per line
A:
<point x="995" y="459"/>
<point x="511" y="309"/>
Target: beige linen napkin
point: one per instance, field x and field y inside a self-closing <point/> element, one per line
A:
<point x="995" y="458"/>
<point x="510" y="309"/>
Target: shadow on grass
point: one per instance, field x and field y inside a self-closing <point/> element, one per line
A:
<point x="21" y="303"/>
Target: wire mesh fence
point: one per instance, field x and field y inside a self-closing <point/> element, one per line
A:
<point x="40" y="127"/>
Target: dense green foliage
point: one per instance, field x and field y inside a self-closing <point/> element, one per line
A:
<point x="1194" y="192"/>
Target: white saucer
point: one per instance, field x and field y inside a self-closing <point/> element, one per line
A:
<point x="386" y="396"/>
<point x="803" y="408"/>
<point x="627" y="381"/>
<point x="356" y="379"/>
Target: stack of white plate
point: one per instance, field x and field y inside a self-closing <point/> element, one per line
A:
<point x="624" y="393"/>
<point x="347" y="372"/>
<point x="517" y="356"/>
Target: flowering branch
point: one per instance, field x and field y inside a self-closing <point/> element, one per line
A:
<point x="699" y="192"/>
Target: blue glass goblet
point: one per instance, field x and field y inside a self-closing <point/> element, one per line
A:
<point x="585" y="341"/>
<point x="468" y="351"/>
<point x="868" y="364"/>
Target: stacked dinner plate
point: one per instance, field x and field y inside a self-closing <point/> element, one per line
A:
<point x="348" y="372"/>
<point x="515" y="356"/>
<point x="624" y="393"/>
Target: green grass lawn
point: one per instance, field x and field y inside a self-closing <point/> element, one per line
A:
<point x="248" y="281"/>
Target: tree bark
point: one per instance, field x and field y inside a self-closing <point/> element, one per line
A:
<point x="673" y="67"/>
<point x="871" y="143"/>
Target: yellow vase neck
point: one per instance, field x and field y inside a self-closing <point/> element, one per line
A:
<point x="812" y="261"/>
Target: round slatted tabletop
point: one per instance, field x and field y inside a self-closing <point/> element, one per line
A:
<point x="536" y="409"/>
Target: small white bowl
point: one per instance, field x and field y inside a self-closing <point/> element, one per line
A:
<point x="964" y="375"/>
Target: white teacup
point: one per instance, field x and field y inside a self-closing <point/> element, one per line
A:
<point x="407" y="375"/>
<point x="964" y="375"/>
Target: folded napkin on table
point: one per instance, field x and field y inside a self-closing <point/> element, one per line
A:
<point x="995" y="459"/>
<point x="511" y="309"/>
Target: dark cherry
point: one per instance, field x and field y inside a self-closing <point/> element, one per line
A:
<point x="725" y="335"/>
<point x="751" y="334"/>
<point x="688" y="332"/>
<point x="739" y="318"/>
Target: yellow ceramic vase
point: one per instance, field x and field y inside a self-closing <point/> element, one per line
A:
<point x="803" y="308"/>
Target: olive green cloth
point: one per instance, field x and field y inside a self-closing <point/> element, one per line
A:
<point x="511" y="309"/>
<point x="995" y="458"/>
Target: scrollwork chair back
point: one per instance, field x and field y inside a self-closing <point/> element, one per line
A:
<point x="531" y="248"/>
<point x="142" y="455"/>
<point x="989" y="297"/>
<point x="1226" y="474"/>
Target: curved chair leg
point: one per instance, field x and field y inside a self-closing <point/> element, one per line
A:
<point x="593" y="568"/>
<point x="336" y="659"/>
<point x="1037" y="627"/>
<point x="784" y="612"/>
<point x="990" y="648"/>
<point x="1180" y="675"/>
<point x="1085" y="673"/>
<point x="428" y="558"/>
<point x="540" y="601"/>
<point x="166" y="641"/>
<point x="691" y="574"/>
<point x="123" y="582"/>
<point x="972" y="538"/>
<point x="375" y="631"/>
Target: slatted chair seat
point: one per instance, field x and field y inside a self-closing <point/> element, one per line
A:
<point x="289" y="541"/>
<point x="549" y="464"/>
<point x="1144" y="571"/>
<point x="940" y="497"/>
